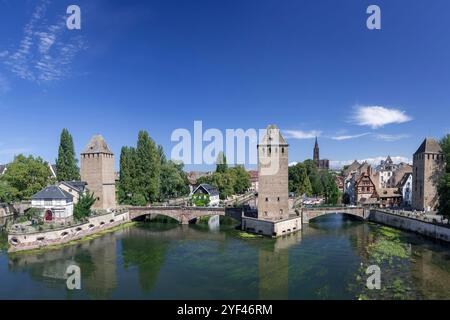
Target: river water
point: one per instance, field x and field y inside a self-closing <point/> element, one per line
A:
<point x="326" y="260"/>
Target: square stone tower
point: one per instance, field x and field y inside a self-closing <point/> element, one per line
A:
<point x="97" y="169"/>
<point x="428" y="167"/>
<point x="273" y="164"/>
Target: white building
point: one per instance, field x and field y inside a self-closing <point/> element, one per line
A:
<point x="54" y="203"/>
<point x="212" y="192"/>
<point x="75" y="188"/>
<point x="405" y="188"/>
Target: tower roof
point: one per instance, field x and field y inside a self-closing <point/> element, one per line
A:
<point x="97" y="145"/>
<point x="273" y="136"/>
<point x="429" y="145"/>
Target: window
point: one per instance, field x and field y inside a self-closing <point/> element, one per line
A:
<point x="278" y="199"/>
<point x="267" y="199"/>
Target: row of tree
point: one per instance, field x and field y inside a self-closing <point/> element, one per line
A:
<point x="146" y="175"/>
<point x="229" y="181"/>
<point x="26" y="176"/>
<point x="306" y="179"/>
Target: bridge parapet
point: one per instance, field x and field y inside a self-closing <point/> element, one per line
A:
<point x="312" y="213"/>
<point x="182" y="214"/>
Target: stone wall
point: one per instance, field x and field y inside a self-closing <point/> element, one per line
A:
<point x="272" y="228"/>
<point x="427" y="169"/>
<point x="6" y="210"/>
<point x="428" y="229"/>
<point x="97" y="169"/>
<point x="273" y="185"/>
<point x="36" y="240"/>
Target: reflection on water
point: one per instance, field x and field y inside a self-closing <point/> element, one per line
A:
<point x="326" y="260"/>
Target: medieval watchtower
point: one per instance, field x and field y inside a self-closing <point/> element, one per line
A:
<point x="273" y="164"/>
<point x="428" y="167"/>
<point x="97" y="169"/>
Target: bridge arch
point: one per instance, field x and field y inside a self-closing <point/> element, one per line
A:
<point x="309" y="214"/>
<point x="183" y="215"/>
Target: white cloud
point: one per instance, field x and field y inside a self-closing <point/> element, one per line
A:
<point x="4" y="54"/>
<point x="372" y="161"/>
<point x="378" y="116"/>
<point x="391" y="137"/>
<point x="348" y="137"/>
<point x="46" y="51"/>
<point x="298" y="134"/>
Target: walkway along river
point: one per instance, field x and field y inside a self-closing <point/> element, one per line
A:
<point x="326" y="260"/>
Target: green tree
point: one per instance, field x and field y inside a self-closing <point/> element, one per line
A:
<point x="331" y="190"/>
<point x="7" y="193"/>
<point x="25" y="176"/>
<point x="241" y="179"/>
<point x="126" y="186"/>
<point x="66" y="164"/>
<point x="83" y="207"/>
<point x="174" y="182"/>
<point x="148" y="167"/>
<point x="444" y="182"/>
<point x="298" y="180"/>
<point x="314" y="177"/>
<point x="221" y="165"/>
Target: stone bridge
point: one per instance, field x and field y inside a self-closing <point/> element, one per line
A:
<point x="183" y="215"/>
<point x="312" y="213"/>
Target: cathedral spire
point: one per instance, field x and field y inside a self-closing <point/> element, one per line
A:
<point x="316" y="156"/>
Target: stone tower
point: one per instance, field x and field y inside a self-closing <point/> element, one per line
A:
<point x="428" y="166"/>
<point x="316" y="155"/>
<point x="273" y="163"/>
<point x="97" y="169"/>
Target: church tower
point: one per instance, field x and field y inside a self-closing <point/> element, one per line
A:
<point x="316" y="156"/>
<point x="97" y="169"/>
<point x="273" y="164"/>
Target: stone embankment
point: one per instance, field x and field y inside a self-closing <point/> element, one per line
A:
<point x="30" y="238"/>
<point x="409" y="222"/>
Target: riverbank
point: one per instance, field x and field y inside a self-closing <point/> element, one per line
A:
<point x="24" y="241"/>
<point x="429" y="229"/>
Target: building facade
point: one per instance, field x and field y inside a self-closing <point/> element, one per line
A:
<point x="366" y="191"/>
<point x="428" y="167"/>
<point x="273" y="185"/>
<point x="75" y="188"/>
<point x="405" y="188"/>
<point x="54" y="204"/>
<point x="207" y="190"/>
<point x="97" y="170"/>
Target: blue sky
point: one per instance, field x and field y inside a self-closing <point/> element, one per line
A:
<point x="311" y="67"/>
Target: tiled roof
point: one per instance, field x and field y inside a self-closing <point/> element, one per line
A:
<point x="388" y="193"/>
<point x="429" y="145"/>
<point x="97" y="145"/>
<point x="211" y="190"/>
<point x="52" y="192"/>
<point x="77" y="185"/>
<point x="273" y="136"/>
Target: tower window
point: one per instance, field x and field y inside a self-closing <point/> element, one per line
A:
<point x="267" y="199"/>
<point x="282" y="150"/>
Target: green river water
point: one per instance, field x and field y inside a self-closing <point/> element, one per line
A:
<point x="326" y="260"/>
